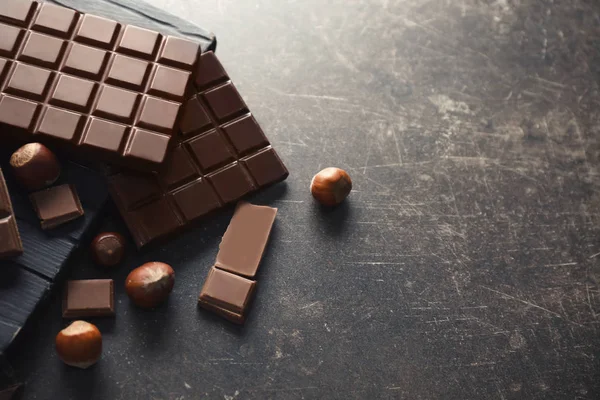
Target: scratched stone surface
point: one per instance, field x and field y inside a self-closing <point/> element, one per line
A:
<point x="465" y="264"/>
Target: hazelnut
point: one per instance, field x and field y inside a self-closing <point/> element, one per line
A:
<point x="79" y="344"/>
<point x="108" y="249"/>
<point x="150" y="284"/>
<point x="35" y="166"/>
<point x="331" y="186"/>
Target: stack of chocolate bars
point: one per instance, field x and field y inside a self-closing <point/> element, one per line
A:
<point x="178" y="136"/>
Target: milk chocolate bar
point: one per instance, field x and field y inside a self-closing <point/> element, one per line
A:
<point x="221" y="155"/>
<point x="10" y="240"/>
<point x="90" y="84"/>
<point x="227" y="291"/>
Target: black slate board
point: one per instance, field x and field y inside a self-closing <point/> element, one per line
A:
<point x="26" y="280"/>
<point x="146" y="16"/>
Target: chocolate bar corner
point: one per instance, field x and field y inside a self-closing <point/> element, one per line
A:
<point x="220" y="156"/>
<point x="91" y="85"/>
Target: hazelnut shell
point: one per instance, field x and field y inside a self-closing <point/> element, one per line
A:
<point x="150" y="284"/>
<point x="79" y="345"/>
<point x="35" y="166"/>
<point x="331" y="186"/>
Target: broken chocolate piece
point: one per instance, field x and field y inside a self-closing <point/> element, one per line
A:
<point x="89" y="298"/>
<point x="245" y="240"/>
<point x="10" y="240"/>
<point x="57" y="205"/>
<point x="228" y="293"/>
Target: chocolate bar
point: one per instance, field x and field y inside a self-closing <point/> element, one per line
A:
<point x="90" y="84"/>
<point x="245" y="240"/>
<point x="225" y="292"/>
<point x="89" y="298"/>
<point x="10" y="240"/>
<point x="57" y="205"/>
<point x="220" y="156"/>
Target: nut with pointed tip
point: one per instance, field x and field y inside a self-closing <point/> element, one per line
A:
<point x="35" y="166"/>
<point x="79" y="344"/>
<point x="331" y="186"/>
<point x="150" y="284"/>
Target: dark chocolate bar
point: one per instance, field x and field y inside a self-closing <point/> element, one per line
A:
<point x="228" y="293"/>
<point x="89" y="298"/>
<point x="220" y="156"/>
<point x="56" y="205"/>
<point x="10" y="240"/>
<point x="90" y="84"/>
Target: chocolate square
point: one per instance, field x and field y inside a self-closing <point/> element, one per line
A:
<point x="60" y="123"/>
<point x="89" y="298"/>
<point x="147" y="145"/>
<point x="103" y="134"/>
<point x="97" y="31"/>
<point x="86" y="61"/>
<point x="56" y="206"/>
<point x="157" y="114"/>
<point x="74" y="93"/>
<point x="226" y="290"/>
<point x="43" y="50"/>
<point x="56" y="20"/>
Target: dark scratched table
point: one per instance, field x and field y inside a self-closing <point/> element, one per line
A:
<point x="465" y="264"/>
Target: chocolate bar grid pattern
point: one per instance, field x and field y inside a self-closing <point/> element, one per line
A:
<point x="221" y="155"/>
<point x="108" y="87"/>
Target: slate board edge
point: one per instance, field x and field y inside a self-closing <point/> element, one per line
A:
<point x="144" y="15"/>
<point x="132" y="12"/>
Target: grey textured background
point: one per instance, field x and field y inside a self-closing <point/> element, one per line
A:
<point x="465" y="264"/>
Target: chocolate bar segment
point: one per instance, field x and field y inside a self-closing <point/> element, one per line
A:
<point x="57" y="205"/>
<point x="64" y="73"/>
<point x="227" y="291"/>
<point x="89" y="298"/>
<point x="10" y="240"/>
<point x="227" y="295"/>
<point x="220" y="156"/>
<point x="246" y="238"/>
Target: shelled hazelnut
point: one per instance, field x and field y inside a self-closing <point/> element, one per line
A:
<point x="79" y="344"/>
<point x="331" y="186"/>
<point x="150" y="284"/>
<point x="35" y="166"/>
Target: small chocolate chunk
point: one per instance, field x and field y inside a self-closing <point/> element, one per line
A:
<point x="89" y="298"/>
<point x="226" y="293"/>
<point x="10" y="240"/>
<point x="56" y="205"/>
